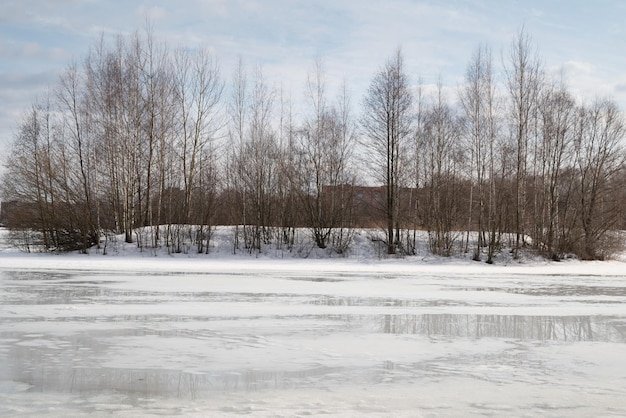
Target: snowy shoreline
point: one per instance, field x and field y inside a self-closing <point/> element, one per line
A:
<point x="408" y="265"/>
<point x="364" y="257"/>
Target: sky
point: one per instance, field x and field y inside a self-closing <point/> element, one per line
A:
<point x="584" y="41"/>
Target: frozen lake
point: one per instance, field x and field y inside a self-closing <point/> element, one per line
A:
<point x="312" y="339"/>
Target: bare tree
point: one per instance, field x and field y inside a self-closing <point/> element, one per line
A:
<point x="287" y="195"/>
<point x="480" y="111"/>
<point x="600" y="158"/>
<point x="117" y="103"/>
<point x="387" y="124"/>
<point x="345" y="142"/>
<point x="29" y="187"/>
<point x="72" y="100"/>
<point x="323" y="148"/>
<point x="417" y="162"/>
<point x="158" y="91"/>
<point x="199" y="90"/>
<point x="523" y="79"/>
<point x="442" y="160"/>
<point x="198" y="93"/>
<point x="255" y="167"/>
<point x="557" y="112"/>
<point x="238" y="113"/>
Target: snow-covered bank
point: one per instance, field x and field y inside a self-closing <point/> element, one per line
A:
<point x="364" y="256"/>
<point x="9" y="261"/>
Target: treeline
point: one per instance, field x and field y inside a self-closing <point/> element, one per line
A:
<point x="141" y="135"/>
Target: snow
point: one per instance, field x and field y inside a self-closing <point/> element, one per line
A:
<point x="131" y="334"/>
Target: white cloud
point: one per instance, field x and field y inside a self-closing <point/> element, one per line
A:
<point x="578" y="67"/>
<point x="30" y="49"/>
<point x="59" y="54"/>
<point x="620" y="88"/>
<point x="154" y="13"/>
<point x="587" y="81"/>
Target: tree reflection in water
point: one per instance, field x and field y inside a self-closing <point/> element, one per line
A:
<point x="542" y="328"/>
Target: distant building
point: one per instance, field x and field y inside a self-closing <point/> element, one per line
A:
<point x="369" y="204"/>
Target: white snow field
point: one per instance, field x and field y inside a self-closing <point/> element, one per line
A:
<point x="173" y="336"/>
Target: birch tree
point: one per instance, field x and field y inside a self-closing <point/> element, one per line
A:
<point x="523" y="74"/>
<point x="478" y="102"/>
<point x="324" y="150"/>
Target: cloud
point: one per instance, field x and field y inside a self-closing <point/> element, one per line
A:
<point x="30" y="49"/>
<point x="587" y="81"/>
<point x="26" y="56"/>
<point x="620" y="88"/>
<point x="154" y="13"/>
<point x="578" y="67"/>
<point x="19" y="81"/>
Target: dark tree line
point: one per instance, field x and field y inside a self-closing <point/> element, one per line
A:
<point x="158" y="145"/>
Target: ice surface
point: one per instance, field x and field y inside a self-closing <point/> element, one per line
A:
<point x="141" y="336"/>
